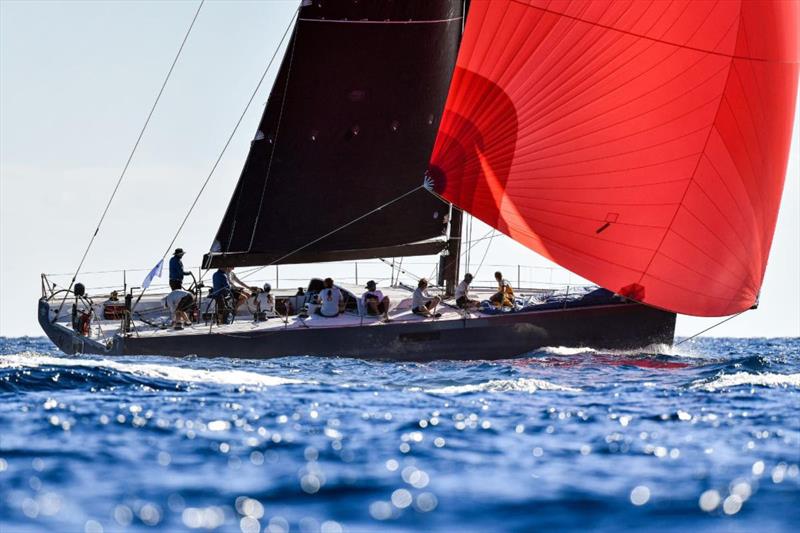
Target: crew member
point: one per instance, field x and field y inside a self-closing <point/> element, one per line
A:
<point x="176" y="272"/>
<point x="422" y="303"/>
<point x="179" y="302"/>
<point x="265" y="301"/>
<point x="223" y="280"/>
<point x="375" y="302"/>
<point x="330" y="299"/>
<point x="462" y="297"/>
<point x="504" y="297"/>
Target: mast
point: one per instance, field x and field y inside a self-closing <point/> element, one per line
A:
<point x="451" y="261"/>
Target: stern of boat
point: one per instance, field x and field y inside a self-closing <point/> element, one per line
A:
<point x="67" y="340"/>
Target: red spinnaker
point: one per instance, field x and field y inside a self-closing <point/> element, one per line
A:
<point x="642" y="145"/>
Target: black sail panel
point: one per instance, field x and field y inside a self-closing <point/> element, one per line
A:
<point x="348" y="128"/>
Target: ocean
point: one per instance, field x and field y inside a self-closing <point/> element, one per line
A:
<point x="704" y="438"/>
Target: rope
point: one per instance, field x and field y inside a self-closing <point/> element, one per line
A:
<point x="488" y="235"/>
<point x="224" y="148"/>
<point x="230" y="137"/>
<point x="133" y="151"/>
<point x="712" y="327"/>
<point x="400" y="270"/>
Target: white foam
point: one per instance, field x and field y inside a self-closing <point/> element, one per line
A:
<point x="745" y="378"/>
<point x="505" y="385"/>
<point x="684" y="352"/>
<point x="651" y="350"/>
<point x="150" y="370"/>
<point x="564" y="350"/>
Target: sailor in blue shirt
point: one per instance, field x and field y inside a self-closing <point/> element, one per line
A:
<point x="220" y="281"/>
<point x="223" y="280"/>
<point x="176" y="272"/>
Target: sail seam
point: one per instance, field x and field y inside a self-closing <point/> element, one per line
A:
<point x="598" y="187"/>
<point x="611" y="156"/>
<point x="544" y="112"/>
<point x="711" y="129"/>
<point x="546" y="107"/>
<point x="589" y="83"/>
<point x="623" y="121"/>
<point x="741" y="209"/>
<point x="733" y="229"/>
<point x="715" y="278"/>
<point x="761" y="144"/>
<point x="661" y="41"/>
<point x="345" y="21"/>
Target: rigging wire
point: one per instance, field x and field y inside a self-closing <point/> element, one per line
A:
<point x="469" y="239"/>
<point x="488" y="235"/>
<point x="398" y="266"/>
<point x="461" y="255"/>
<point x="130" y="156"/>
<point x="230" y="137"/>
<point x="227" y="143"/>
<point x="486" y="252"/>
<point x="274" y="141"/>
<point x="710" y="328"/>
<point x="365" y="215"/>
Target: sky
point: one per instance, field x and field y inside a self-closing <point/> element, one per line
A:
<point x="77" y="80"/>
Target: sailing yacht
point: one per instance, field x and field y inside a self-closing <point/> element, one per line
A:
<point x="642" y="146"/>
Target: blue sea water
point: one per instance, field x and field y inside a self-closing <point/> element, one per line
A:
<point x="704" y="439"/>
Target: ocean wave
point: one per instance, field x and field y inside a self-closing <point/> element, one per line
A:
<point x="505" y="385"/>
<point x="147" y="371"/>
<point x="726" y="381"/>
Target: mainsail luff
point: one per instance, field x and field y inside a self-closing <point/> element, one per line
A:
<point x="349" y="126"/>
<point x="640" y="145"/>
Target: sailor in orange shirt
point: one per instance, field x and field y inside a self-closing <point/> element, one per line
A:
<point x="504" y="297"/>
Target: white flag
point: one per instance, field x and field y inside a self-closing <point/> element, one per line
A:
<point x="155" y="273"/>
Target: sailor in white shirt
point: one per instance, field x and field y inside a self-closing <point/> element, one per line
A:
<point x="330" y="299"/>
<point x="422" y="303"/>
<point x="262" y="304"/>
<point x="462" y="297"/>
<point x="178" y="302"/>
<point x="375" y="302"/>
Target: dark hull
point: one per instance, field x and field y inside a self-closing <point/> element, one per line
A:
<point x="625" y="326"/>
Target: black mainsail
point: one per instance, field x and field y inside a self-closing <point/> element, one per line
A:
<point x="349" y="127"/>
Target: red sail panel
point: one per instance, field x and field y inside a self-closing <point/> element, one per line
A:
<point x="642" y="145"/>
